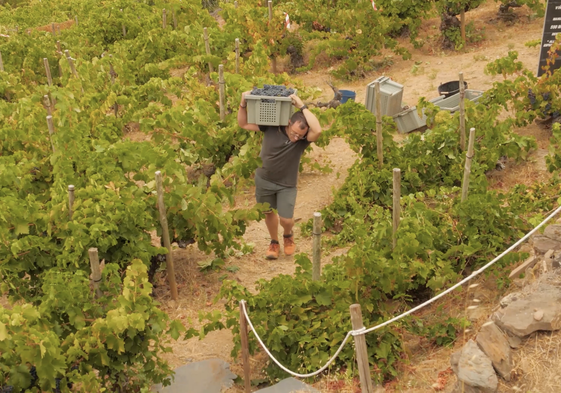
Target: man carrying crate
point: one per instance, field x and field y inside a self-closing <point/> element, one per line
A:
<point x="275" y="181"/>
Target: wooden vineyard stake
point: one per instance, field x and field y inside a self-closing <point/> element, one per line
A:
<point x="467" y="169"/>
<point x="113" y="75"/>
<point x="237" y="55"/>
<point x="245" y="350"/>
<point x="463" y="26"/>
<point x="47" y="103"/>
<point x="76" y="20"/>
<point x="165" y="236"/>
<point x="396" y="202"/>
<point x="51" y="130"/>
<point x="462" y="113"/>
<point x="379" y="137"/>
<point x="70" y="201"/>
<point x="48" y="71"/>
<point x="316" y="264"/>
<point x="96" y="270"/>
<point x="361" y="350"/>
<point x="235" y="4"/>
<point x="221" y="90"/>
<point x="273" y="60"/>
<point x="124" y="28"/>
<point x="164" y="19"/>
<point x="59" y="51"/>
<point x="207" y="48"/>
<point x="53" y="27"/>
<point x="2" y="62"/>
<point x="71" y="63"/>
<point x="174" y="20"/>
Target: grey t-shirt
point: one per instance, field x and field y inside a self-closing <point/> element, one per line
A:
<point x="280" y="156"/>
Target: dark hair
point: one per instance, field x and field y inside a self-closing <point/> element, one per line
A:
<point x="299" y="116"/>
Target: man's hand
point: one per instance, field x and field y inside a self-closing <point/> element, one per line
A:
<point x="243" y="103"/>
<point x="296" y="101"/>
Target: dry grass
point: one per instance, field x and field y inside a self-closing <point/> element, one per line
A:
<point x="537" y="365"/>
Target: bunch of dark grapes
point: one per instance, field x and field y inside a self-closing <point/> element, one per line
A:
<point x="532" y="97"/>
<point x="34" y="378"/>
<point x="7" y="389"/>
<point x="272" y="91"/>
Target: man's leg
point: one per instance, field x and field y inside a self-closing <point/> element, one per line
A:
<point x="286" y="200"/>
<point x="266" y="192"/>
<point x="272" y="221"/>
<point x="287" y="224"/>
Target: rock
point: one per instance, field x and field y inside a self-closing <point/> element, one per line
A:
<point x="538" y="315"/>
<point x="474" y="370"/>
<point x="511" y="297"/>
<point x="494" y="343"/>
<point x="543" y="244"/>
<point x="477" y="313"/>
<point x="553" y="232"/>
<point x="556" y="262"/>
<point x="518" y="316"/>
<point x="208" y="376"/>
<point x="513" y="341"/>
<point x="289" y="385"/>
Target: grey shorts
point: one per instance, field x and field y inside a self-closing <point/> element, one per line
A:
<point x="278" y="197"/>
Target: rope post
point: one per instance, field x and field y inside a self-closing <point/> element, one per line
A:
<point x="51" y="130"/>
<point x="70" y="201"/>
<point x="273" y="59"/>
<point x="316" y="267"/>
<point x="361" y="351"/>
<point x="462" y="113"/>
<point x="396" y="202"/>
<point x="467" y="169"/>
<point x="2" y="62"/>
<point x="96" y="271"/>
<point x="379" y="137"/>
<point x="207" y="48"/>
<point x="164" y="19"/>
<point x="237" y="56"/>
<point x="221" y="92"/>
<point x="165" y="236"/>
<point x="245" y="349"/>
<point x="48" y="71"/>
<point x="47" y="103"/>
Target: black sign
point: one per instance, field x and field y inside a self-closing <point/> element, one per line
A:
<point x="551" y="27"/>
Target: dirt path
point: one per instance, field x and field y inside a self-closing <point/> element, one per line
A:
<point x="420" y="76"/>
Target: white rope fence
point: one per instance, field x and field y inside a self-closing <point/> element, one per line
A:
<point x="365" y="331"/>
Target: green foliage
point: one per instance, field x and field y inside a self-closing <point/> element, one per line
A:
<point x="112" y="342"/>
<point x="304" y="322"/>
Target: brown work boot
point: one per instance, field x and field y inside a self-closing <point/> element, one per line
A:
<point x="273" y="251"/>
<point x="289" y="245"/>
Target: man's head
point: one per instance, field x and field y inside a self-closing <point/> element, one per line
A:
<point x="297" y="127"/>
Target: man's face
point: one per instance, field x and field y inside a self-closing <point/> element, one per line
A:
<point x="294" y="132"/>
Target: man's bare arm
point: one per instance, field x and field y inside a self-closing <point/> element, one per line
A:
<point x="314" y="130"/>
<point x="242" y="115"/>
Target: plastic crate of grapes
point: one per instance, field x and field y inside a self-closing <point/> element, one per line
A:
<point x="269" y="106"/>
